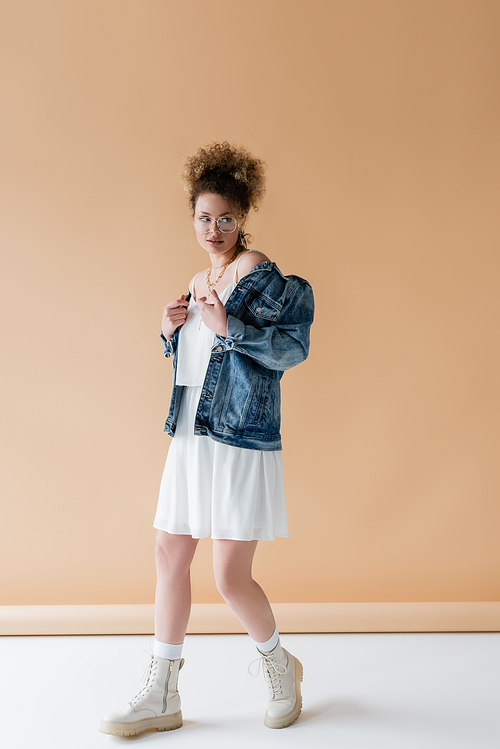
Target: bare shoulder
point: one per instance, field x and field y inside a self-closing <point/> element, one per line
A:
<point x="249" y="261"/>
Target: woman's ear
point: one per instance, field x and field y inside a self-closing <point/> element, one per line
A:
<point x="242" y="228"/>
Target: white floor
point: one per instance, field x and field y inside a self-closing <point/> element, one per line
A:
<point x="407" y="691"/>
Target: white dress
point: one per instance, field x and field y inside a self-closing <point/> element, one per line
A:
<point x="209" y="488"/>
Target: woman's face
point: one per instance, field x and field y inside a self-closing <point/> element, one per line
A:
<point x="215" y="241"/>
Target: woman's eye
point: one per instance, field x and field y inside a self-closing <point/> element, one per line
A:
<point x="204" y="219"/>
<point x="226" y="220"/>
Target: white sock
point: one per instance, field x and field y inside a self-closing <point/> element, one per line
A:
<point x="167" y="650"/>
<point x="268" y="645"/>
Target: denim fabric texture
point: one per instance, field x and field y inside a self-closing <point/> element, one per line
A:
<point x="269" y="317"/>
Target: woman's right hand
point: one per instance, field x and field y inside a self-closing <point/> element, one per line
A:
<point x="174" y="314"/>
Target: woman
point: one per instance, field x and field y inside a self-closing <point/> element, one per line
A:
<point x="241" y="324"/>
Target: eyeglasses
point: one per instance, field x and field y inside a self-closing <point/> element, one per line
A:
<point x="225" y="224"/>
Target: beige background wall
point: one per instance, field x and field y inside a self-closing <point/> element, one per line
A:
<point x="379" y="123"/>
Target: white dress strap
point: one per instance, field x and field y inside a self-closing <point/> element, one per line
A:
<point x="238" y="262"/>
<point x="193" y="281"/>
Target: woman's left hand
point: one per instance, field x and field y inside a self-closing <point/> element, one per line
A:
<point x="213" y="315"/>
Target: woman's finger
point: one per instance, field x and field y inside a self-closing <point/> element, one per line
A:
<point x="202" y="303"/>
<point x="175" y="315"/>
<point x="216" y="297"/>
<point x="177" y="303"/>
<point x="175" y="312"/>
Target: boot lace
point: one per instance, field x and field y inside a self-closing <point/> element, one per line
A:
<point x="272" y="671"/>
<point x="149" y="677"/>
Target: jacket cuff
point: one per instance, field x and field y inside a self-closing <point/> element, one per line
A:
<point x="168" y="348"/>
<point x="235" y="331"/>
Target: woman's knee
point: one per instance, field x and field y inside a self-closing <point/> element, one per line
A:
<point x="233" y="569"/>
<point x="229" y="585"/>
<point x="174" y="552"/>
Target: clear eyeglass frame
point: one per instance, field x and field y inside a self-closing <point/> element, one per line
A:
<point x="206" y="226"/>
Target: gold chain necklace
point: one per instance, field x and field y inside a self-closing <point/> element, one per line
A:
<point x="209" y="282"/>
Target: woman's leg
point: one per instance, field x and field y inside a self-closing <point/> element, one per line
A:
<point x="174" y="554"/>
<point x="233" y="576"/>
<point x="283" y="672"/>
<point x="157" y="704"/>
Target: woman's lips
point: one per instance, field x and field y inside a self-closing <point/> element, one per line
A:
<point x="216" y="241"/>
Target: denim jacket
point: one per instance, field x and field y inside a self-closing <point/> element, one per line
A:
<point x="269" y="316"/>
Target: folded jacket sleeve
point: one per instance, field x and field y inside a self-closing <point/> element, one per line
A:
<point x="169" y="344"/>
<point x="281" y="345"/>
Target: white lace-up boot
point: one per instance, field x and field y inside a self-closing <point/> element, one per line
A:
<point x="157" y="705"/>
<point x="283" y="674"/>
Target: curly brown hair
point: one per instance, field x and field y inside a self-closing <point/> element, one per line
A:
<point x="229" y="171"/>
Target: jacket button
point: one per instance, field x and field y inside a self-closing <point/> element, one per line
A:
<point x="259" y="309"/>
<point x="219" y="348"/>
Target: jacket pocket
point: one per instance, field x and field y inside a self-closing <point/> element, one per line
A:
<point x="264" y="307"/>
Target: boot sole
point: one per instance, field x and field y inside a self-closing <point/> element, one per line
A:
<point x="165" y="723"/>
<point x="286" y="720"/>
